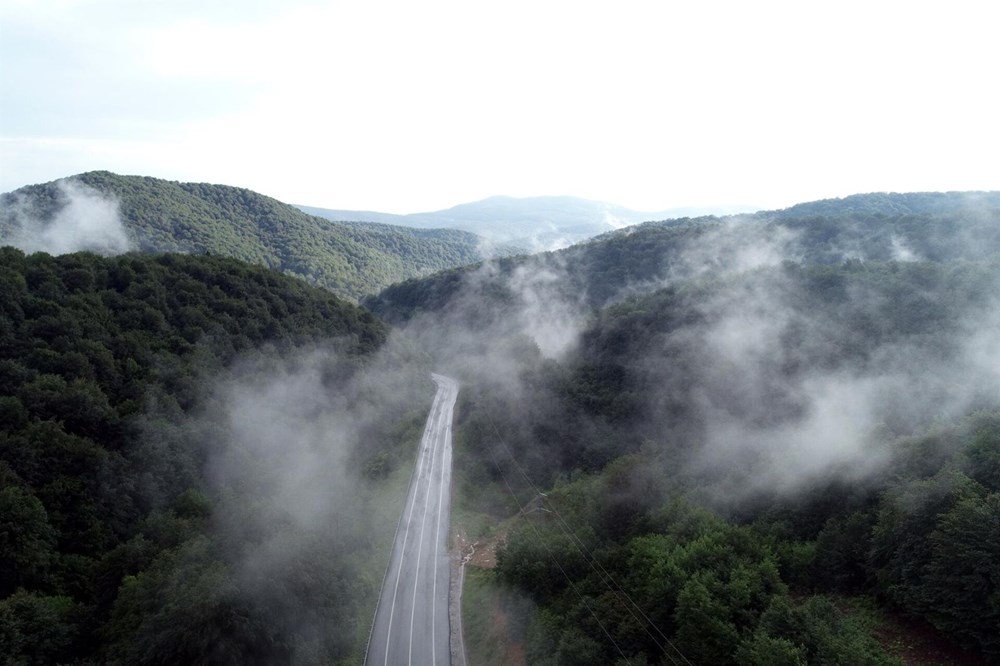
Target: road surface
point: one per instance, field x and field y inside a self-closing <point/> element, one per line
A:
<point x="411" y="621"/>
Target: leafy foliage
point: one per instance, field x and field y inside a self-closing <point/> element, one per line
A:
<point x="351" y="259"/>
<point x="655" y="438"/>
<point x="107" y="546"/>
<point x="646" y="257"/>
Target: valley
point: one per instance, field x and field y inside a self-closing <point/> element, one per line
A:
<point x="747" y="439"/>
<point x="154" y="215"/>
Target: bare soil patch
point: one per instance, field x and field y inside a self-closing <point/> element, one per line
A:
<point x="482" y="552"/>
<point x="918" y="643"/>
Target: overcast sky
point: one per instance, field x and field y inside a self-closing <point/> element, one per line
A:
<point x="420" y="105"/>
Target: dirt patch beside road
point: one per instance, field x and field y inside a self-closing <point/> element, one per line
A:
<point x="482" y="552"/>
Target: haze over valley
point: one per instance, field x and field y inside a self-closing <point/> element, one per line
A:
<point x="531" y="223"/>
<point x="808" y="390"/>
<point x="521" y="333"/>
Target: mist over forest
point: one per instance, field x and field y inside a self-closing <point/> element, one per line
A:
<point x="742" y="426"/>
<point x="752" y="439"/>
<point x="109" y="213"/>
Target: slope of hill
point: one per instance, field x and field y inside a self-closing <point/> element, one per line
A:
<point x="770" y="430"/>
<point x="166" y="420"/>
<point x="839" y="423"/>
<point x="539" y="223"/>
<point x="164" y="216"/>
<point x="892" y="203"/>
<point x="642" y="258"/>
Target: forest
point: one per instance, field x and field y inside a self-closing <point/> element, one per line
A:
<point x="760" y="439"/>
<point x="646" y="534"/>
<point x="166" y="420"/>
<point x="749" y="442"/>
<point x="155" y="215"/>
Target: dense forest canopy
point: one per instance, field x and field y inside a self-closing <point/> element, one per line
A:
<point x="732" y="440"/>
<point x="642" y="258"/>
<point x="735" y="440"/>
<point x="191" y="460"/>
<point x="153" y="215"/>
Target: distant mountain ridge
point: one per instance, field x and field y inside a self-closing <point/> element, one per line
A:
<point x="879" y="227"/>
<point x="891" y="203"/>
<point x="537" y="223"/>
<point x="351" y="259"/>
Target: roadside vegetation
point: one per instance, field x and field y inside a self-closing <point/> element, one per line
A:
<point x="187" y="471"/>
<point x="798" y="462"/>
<point x="772" y="439"/>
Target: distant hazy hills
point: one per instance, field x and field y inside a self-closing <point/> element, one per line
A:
<point x="880" y="227"/>
<point x="109" y="213"/>
<point x="334" y="249"/>
<point x="891" y="204"/>
<point x="535" y="223"/>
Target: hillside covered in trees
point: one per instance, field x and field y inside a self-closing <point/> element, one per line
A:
<point x="757" y="440"/>
<point x="730" y="486"/>
<point x="638" y="259"/>
<point x="351" y="259"/>
<point x="181" y="435"/>
<point x="751" y="440"/>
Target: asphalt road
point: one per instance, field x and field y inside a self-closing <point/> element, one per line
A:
<point x="411" y="622"/>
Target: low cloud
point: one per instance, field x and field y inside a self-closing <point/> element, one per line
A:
<point x="735" y="245"/>
<point x="777" y="368"/>
<point x="786" y="396"/>
<point x="901" y="251"/>
<point x="296" y="447"/>
<point x="546" y="314"/>
<point x="85" y="220"/>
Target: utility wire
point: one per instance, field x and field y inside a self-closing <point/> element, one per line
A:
<point x="555" y="560"/>
<point x="602" y="573"/>
<point x="594" y="564"/>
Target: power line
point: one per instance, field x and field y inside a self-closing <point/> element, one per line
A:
<point x="555" y="560"/>
<point x="603" y="574"/>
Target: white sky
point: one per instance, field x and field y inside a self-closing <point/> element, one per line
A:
<point x="411" y="106"/>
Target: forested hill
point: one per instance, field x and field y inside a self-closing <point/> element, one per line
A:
<point x="351" y="259"/>
<point x="891" y="204"/>
<point x="648" y="256"/>
<point x="840" y="424"/>
<point x="765" y="439"/>
<point x="162" y="440"/>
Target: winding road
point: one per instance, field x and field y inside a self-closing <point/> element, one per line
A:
<point x="411" y="621"/>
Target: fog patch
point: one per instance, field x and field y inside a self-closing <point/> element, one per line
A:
<point x="833" y="437"/>
<point x="784" y="370"/>
<point x="785" y="404"/>
<point x="734" y="246"/>
<point x="298" y="515"/>
<point x="503" y="314"/>
<point x="546" y="314"/>
<point x="718" y="249"/>
<point x="295" y="429"/>
<point x="290" y="428"/>
<point x="978" y="374"/>
<point x="615" y="222"/>
<point x="549" y="239"/>
<point x="87" y="220"/>
<point x="489" y="248"/>
<point x="901" y="251"/>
